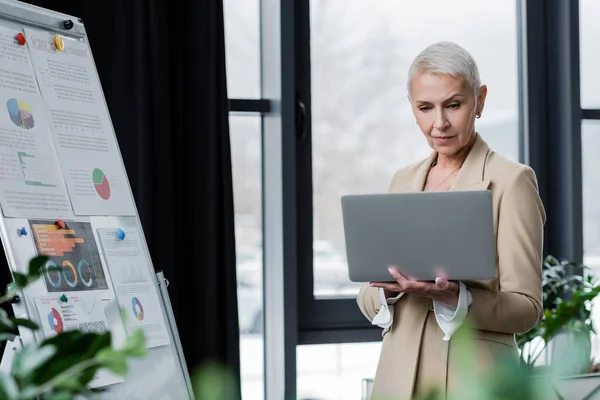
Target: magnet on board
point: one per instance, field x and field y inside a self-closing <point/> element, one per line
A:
<point x="61" y="224"/>
<point x="59" y="42"/>
<point x="120" y="233"/>
<point x="21" y="39"/>
<point x="64" y="298"/>
<point x="22" y="231"/>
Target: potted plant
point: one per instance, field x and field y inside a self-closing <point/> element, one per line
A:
<point x="568" y="291"/>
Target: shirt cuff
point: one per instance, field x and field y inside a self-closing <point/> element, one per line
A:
<point x="450" y="318"/>
<point x="385" y="316"/>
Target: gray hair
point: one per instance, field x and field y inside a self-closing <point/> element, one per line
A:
<point x="446" y="58"/>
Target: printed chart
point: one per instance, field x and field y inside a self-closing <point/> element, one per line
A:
<point x="34" y="170"/>
<point x="20" y="113"/>
<point x="31" y="180"/>
<point x="134" y="284"/>
<point x="80" y="123"/>
<point x="82" y="312"/>
<point x="55" y="321"/>
<point x="137" y="309"/>
<point x="101" y="183"/>
<point x="74" y="263"/>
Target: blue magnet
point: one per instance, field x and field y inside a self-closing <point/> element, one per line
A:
<point x="120" y="234"/>
<point x="22" y="231"/>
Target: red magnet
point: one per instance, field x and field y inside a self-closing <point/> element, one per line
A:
<point x="21" y="39"/>
<point x="61" y="224"/>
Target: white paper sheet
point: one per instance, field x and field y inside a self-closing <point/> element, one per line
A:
<point x="83" y="312"/>
<point x="31" y="181"/>
<point x="134" y="285"/>
<point x="81" y="126"/>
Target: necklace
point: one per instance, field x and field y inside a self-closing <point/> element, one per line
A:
<point x="446" y="178"/>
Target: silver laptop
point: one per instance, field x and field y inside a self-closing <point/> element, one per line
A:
<point x="424" y="234"/>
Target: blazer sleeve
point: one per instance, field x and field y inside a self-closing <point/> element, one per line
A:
<point x="517" y="306"/>
<point x="368" y="301"/>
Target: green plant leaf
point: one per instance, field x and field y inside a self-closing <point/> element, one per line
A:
<point x="35" y="266"/>
<point x="113" y="360"/>
<point x="75" y="347"/>
<point x="135" y="344"/>
<point x="29" y="358"/>
<point x="60" y="395"/>
<point x="74" y="383"/>
<point x="6" y="324"/>
<point x="7" y="336"/>
<point x="8" y="387"/>
<point x="20" y="280"/>
<point x="25" y="322"/>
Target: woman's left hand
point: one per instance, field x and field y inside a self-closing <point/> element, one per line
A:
<point x="442" y="290"/>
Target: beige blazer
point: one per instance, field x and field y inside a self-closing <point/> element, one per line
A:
<point x="413" y="354"/>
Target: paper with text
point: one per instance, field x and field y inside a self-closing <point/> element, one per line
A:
<point x="134" y="285"/>
<point x="81" y="126"/>
<point x="82" y="312"/>
<point x="31" y="181"/>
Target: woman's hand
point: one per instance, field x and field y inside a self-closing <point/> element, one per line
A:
<point x="442" y="290"/>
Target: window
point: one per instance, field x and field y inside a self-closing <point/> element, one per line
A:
<point x="245" y="134"/>
<point x="242" y="48"/>
<point x="335" y="371"/>
<point x="362" y="126"/>
<point x="589" y="53"/>
<point x="590" y="143"/>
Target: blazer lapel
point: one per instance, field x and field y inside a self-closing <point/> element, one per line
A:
<point x="472" y="174"/>
<point x="418" y="181"/>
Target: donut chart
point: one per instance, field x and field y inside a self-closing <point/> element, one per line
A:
<point x="20" y="113"/>
<point x="137" y="309"/>
<point x="51" y="267"/>
<point x="55" y="321"/>
<point x="101" y="183"/>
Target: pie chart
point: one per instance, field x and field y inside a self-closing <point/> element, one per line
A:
<point x="137" y="309"/>
<point x="55" y="321"/>
<point x="20" y="113"/>
<point x="101" y="183"/>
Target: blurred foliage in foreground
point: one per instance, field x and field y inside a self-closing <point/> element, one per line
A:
<point x="61" y="367"/>
<point x="506" y="379"/>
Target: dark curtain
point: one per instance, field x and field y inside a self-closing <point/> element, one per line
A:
<point x="162" y="68"/>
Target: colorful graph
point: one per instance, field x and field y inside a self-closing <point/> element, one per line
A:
<point x="74" y="263"/>
<point x="34" y="170"/>
<point x="101" y="183"/>
<point x="137" y="309"/>
<point x="20" y="113"/>
<point x="55" y="321"/>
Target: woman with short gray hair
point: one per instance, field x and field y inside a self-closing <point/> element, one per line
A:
<point x="419" y="319"/>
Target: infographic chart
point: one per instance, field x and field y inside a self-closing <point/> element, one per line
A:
<point x="130" y="274"/>
<point x="20" y="113"/>
<point x="137" y="309"/>
<point x="101" y="183"/>
<point x="74" y="263"/>
<point x="55" y="322"/>
<point x="31" y="180"/>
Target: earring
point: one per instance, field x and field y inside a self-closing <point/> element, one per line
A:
<point x="478" y="115"/>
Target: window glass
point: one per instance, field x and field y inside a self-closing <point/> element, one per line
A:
<point x="335" y="371"/>
<point x="242" y="48"/>
<point x="246" y="156"/>
<point x="590" y="142"/>
<point x="362" y="126"/>
<point x="589" y="11"/>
